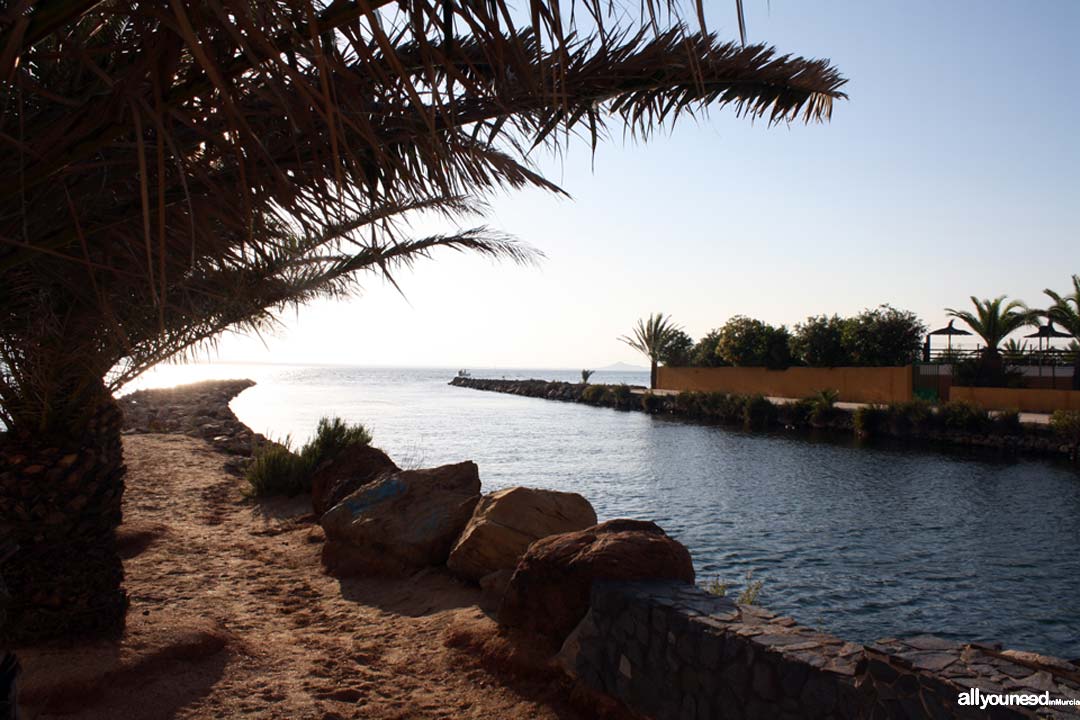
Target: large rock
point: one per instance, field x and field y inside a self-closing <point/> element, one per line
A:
<point x="353" y="468"/>
<point x="506" y="522"/>
<point x="410" y="518"/>
<point x="549" y="591"/>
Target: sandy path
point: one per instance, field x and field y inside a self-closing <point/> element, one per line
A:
<point x="231" y="617"/>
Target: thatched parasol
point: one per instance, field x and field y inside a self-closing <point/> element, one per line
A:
<point x="949" y="331"/>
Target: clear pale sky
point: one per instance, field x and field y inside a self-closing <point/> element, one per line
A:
<point x="953" y="170"/>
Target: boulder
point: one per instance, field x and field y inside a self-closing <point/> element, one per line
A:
<point x="549" y="591"/>
<point x="354" y="467"/>
<point x="492" y="587"/>
<point x="506" y="522"/>
<point x="409" y="518"/>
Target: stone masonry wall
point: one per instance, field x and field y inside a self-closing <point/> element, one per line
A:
<point x="671" y="651"/>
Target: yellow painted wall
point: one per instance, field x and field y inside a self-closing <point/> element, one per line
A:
<point x="1022" y="399"/>
<point x="855" y="384"/>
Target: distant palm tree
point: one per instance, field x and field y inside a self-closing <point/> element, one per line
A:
<point x="651" y="338"/>
<point x="1015" y="351"/>
<point x="1065" y="311"/>
<point x="993" y="321"/>
<point x="585" y="375"/>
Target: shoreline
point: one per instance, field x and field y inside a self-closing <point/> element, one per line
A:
<point x="457" y="632"/>
<point x="1034" y="439"/>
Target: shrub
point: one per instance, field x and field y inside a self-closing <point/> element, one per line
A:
<point x="823" y="407"/>
<point x="594" y="394"/>
<point x="277" y="470"/>
<point x="620" y="396"/>
<point x="758" y="412"/>
<point x="732" y="408"/>
<point x="956" y="416"/>
<point x="1007" y="422"/>
<point x="871" y="420"/>
<point x="688" y="403"/>
<point x="1066" y="424"/>
<point x="914" y="416"/>
<point x="331" y="437"/>
<point x="796" y="414"/>
<point x="714" y="405"/>
<point x="651" y="403"/>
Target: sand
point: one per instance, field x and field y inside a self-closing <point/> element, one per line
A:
<point x="232" y="617"/>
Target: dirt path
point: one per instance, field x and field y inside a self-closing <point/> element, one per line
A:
<point x="231" y="617"/>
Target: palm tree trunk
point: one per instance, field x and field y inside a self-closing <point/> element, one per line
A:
<point x="60" y="501"/>
<point x="652" y="376"/>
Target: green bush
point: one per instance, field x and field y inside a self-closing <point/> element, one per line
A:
<point x="712" y="405"/>
<point x="957" y="416"/>
<point x="620" y="396"/>
<point x="1007" y="422"/>
<point x="758" y="412"/>
<point x="688" y="403"/>
<point x="594" y="394"/>
<point x="731" y="408"/>
<point x="1066" y="424"/>
<point x="331" y="437"/>
<point x="796" y="414"/>
<point x="651" y="403"/>
<point x="871" y="420"/>
<point x="912" y="417"/>
<point x="277" y="470"/>
<point x="823" y="409"/>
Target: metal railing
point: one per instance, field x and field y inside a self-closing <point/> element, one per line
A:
<point x="1038" y="358"/>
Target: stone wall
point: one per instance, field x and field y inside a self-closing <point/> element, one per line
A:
<point x="672" y="651"/>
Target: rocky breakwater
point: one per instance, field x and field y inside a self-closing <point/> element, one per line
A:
<point x="567" y="392"/>
<point x="199" y="410"/>
<point x="914" y="421"/>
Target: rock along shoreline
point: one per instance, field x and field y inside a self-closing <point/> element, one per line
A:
<point x="709" y="408"/>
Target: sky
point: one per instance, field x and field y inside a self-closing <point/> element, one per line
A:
<point x="953" y="170"/>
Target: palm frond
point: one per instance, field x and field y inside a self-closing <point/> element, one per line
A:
<point x="169" y="170"/>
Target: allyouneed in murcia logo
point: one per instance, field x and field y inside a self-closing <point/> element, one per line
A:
<point x="982" y="700"/>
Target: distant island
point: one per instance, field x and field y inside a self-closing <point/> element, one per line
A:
<point x="623" y="367"/>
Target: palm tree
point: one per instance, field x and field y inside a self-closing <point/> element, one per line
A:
<point x="993" y="322"/>
<point x="653" y="337"/>
<point x="1065" y="311"/>
<point x="171" y="170"/>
